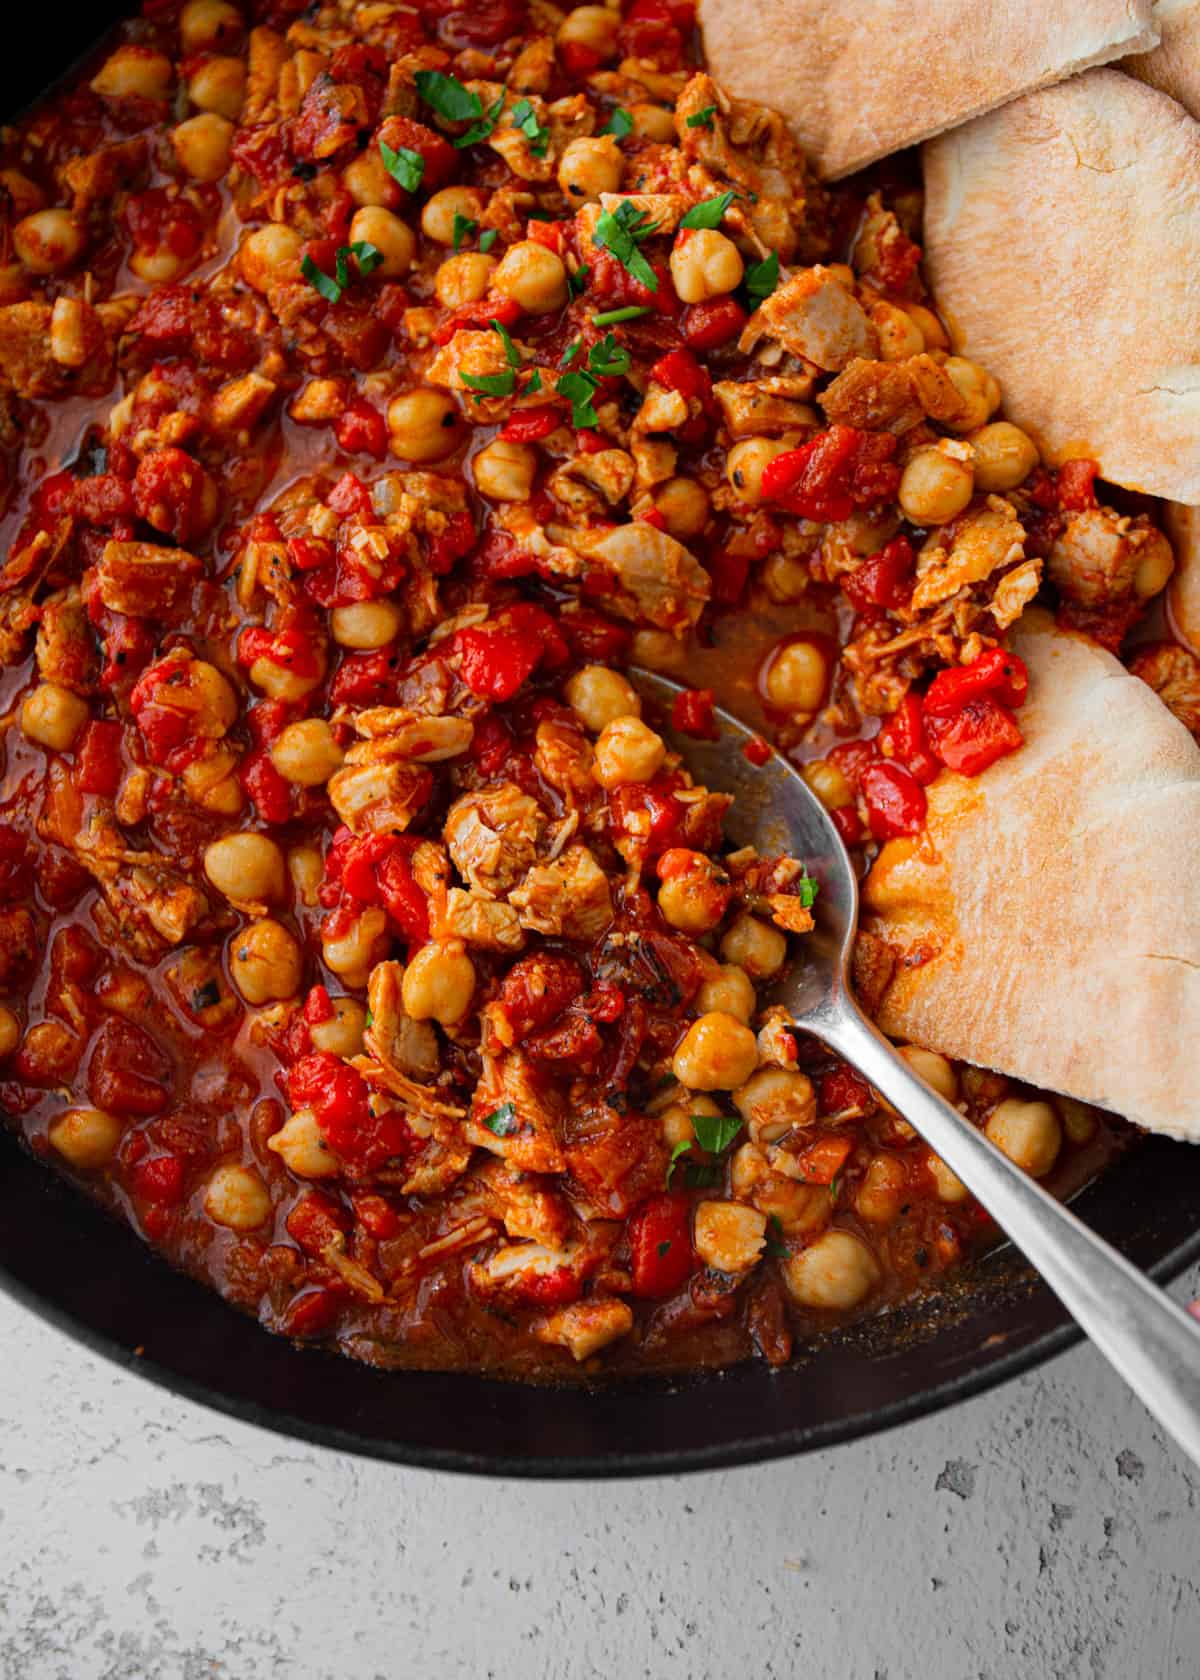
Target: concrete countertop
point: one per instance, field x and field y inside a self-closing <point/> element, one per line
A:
<point x="1043" y="1530"/>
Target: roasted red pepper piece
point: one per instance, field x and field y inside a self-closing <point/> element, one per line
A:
<point x="827" y="478"/>
<point x="706" y="326"/>
<point x="883" y="579"/>
<point x="895" y="800"/>
<point x="902" y="738"/>
<point x="98" y="759"/>
<point x="660" y="1245"/>
<point x="971" y="739"/>
<point x="997" y="672"/>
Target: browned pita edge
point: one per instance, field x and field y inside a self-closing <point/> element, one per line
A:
<point x="1173" y="66"/>
<point x="1062" y="240"/>
<point x="859" y="81"/>
<point x="1183" y="597"/>
<point x="1048" y="924"/>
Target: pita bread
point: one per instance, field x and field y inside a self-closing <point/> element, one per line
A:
<point x="1050" y="911"/>
<point x="1183" y="599"/>
<point x="1174" y="65"/>
<point x="857" y="81"/>
<point x="1062" y="238"/>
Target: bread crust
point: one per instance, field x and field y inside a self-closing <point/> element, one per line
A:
<point x="1062" y="240"/>
<point x="859" y="81"/>
<point x="1053" y="898"/>
<point x="1183" y="528"/>
<point x="1173" y="66"/>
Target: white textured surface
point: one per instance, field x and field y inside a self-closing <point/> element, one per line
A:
<point x="1043" y="1530"/>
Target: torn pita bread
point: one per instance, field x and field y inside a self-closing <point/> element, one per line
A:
<point x="1062" y="240"/>
<point x="1173" y="66"/>
<point x="857" y="81"/>
<point x="1183" y="599"/>
<point x="1050" y="913"/>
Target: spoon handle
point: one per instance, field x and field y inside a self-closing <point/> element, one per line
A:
<point x="1154" y="1344"/>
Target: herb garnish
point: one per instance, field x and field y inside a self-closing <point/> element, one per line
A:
<point x="775" y="1243"/>
<point x="464" y="227"/>
<point x="702" y="119"/>
<point x="487" y="239"/>
<point x="496" y="384"/>
<point x="579" y="387"/>
<point x="447" y="95"/>
<point x="715" y="1132"/>
<point x="619" y="124"/>
<point x="708" y="213"/>
<point x="524" y="118"/>
<point x="630" y="312"/>
<point x="621" y="231"/>
<point x="762" y="278"/>
<point x="502" y="1121"/>
<point x="608" y="358"/>
<point x="406" y="167"/>
<point x="367" y="256"/>
<point x="570" y="353"/>
<point x="577" y="279"/>
<point x="482" y="129"/>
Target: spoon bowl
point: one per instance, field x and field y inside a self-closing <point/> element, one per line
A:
<point x="1151" y="1341"/>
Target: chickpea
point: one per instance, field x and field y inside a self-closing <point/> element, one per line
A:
<point x="1004" y="456"/>
<point x="600" y="696"/>
<point x="85" y="1137"/>
<point x="931" y="329"/>
<point x="423" y="425"/>
<point x="356" y="951"/>
<point x="593" y="27"/>
<point x="1155" y="566"/>
<point x="729" y="1236"/>
<point x="755" y="946"/>
<point x="269" y="254"/>
<point x="49" y="241"/>
<point x="705" y="264"/>
<point x="53" y="716"/>
<point x="160" y="265"/>
<point x="684" y="506"/>
<point x="237" y="1198"/>
<point x="746" y="462"/>
<point x="367" y="181"/>
<point x="391" y="237"/>
<point x="589" y="168"/>
<point x="899" y="335"/>
<point x="463" y="279"/>
<point x="306" y="752"/>
<point x="246" y="867"/>
<point x="266" y="962"/>
<point x="10" y="1032"/>
<point x="659" y="650"/>
<point x="1029" y="1133"/>
<point x="134" y="73"/>
<point x="978" y="390"/>
<point x="202" y="146"/>
<point x="828" y="783"/>
<point x="774" y="1102"/>
<point x="934" y="1069"/>
<point x="437" y="218"/>
<point x="302" y="1149"/>
<point x="718" y="1053"/>
<point x="627" y="750"/>
<point x="694" y="894"/>
<point x="796" y="677"/>
<point x="210" y="783"/>
<point x="949" y="1187"/>
<point x="1078" y="1120"/>
<point x="785" y="577"/>
<point x="653" y="122"/>
<point x="504" y="471"/>
<point x="730" y="991"/>
<point x="835" y="1272"/>
<point x="306" y="870"/>
<point x="883" y="1191"/>
<point x="207" y="24"/>
<point x="936" y="485"/>
<point x="533" y="277"/>
<point x="439" y="982"/>
<point x="366" y="625"/>
<point x="219" y="85"/>
<point x="676" y="1119"/>
<point x="284" y="682"/>
<point x="343" y="1035"/>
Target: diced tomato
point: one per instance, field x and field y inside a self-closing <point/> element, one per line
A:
<point x="482" y="23"/>
<point x="656" y="30"/>
<point x="316" y="1221"/>
<point x="377" y="1215"/>
<point x="883" y="579"/>
<point x="1076" y="487"/>
<point x="496" y="661"/>
<point x="679" y="371"/>
<point x="311" y="1313"/>
<point x="367" y="679"/>
<point x="361" y="429"/>
<point x="728" y="570"/>
<point x="551" y="1289"/>
<point x="451" y="544"/>
<point x="589" y="442"/>
<point x="292" y="648"/>
<point x="98" y="758"/>
<point x="757" y="751"/>
<point x="160" y="1180"/>
<point x="997" y="672"/>
<point x="822" y="1161"/>
<point x="530" y="425"/>
<point x="158" y="220"/>
<point x="895" y="800"/>
<point x="16" y="864"/>
<point x="553" y="235"/>
<point x="270" y="795"/>
<point x="537" y="989"/>
<point x="692" y="713"/>
<point x="174" y="494"/>
<point x="648" y="813"/>
<point x="340" y="1099"/>
<point x="848" y="824"/>
<point x="491" y="745"/>
<point x="318" y="1006"/>
<point x="706" y="326"/>
<point x="376" y="869"/>
<point x="577" y="59"/>
<point x="610" y="282"/>
<point x="827" y="478"/>
<point x="852" y="758"/>
<point x="478" y="317"/>
<point x="330" y="117"/>
<point x="842" y="1090"/>
<point x="971" y="739"/>
<point x="660" y="1245"/>
<point x="902" y="737"/>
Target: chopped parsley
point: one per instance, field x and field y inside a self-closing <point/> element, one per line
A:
<point x="404" y="166"/>
<point x="579" y="387"/>
<point x="680" y="1148"/>
<point x="702" y="119"/>
<point x="762" y="278"/>
<point x="630" y="312"/>
<point x="482" y="129"/>
<point x="835" y="1186"/>
<point x="621" y="231"/>
<point x="570" y="353"/>
<point x="464" y="228"/>
<point x="608" y="358"/>
<point x="524" y="118"/>
<point x="487" y="239"/>
<point x="715" y="1132"/>
<point x="700" y="1175"/>
<point x="577" y="279"/>
<point x="447" y="96"/>
<point x="367" y="257"/>
<point x="502" y="1121"/>
<point x="664" y="1248"/>
<point x="511" y="354"/>
<point x="775" y="1243"/>
<point x="808" y="889"/>
<point x="535" y="383"/>
<point x="708" y="213"/>
<point x="491" y="384"/>
<point x="619" y="124"/>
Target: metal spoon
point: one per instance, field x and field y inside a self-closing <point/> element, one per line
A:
<point x="1153" y="1343"/>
